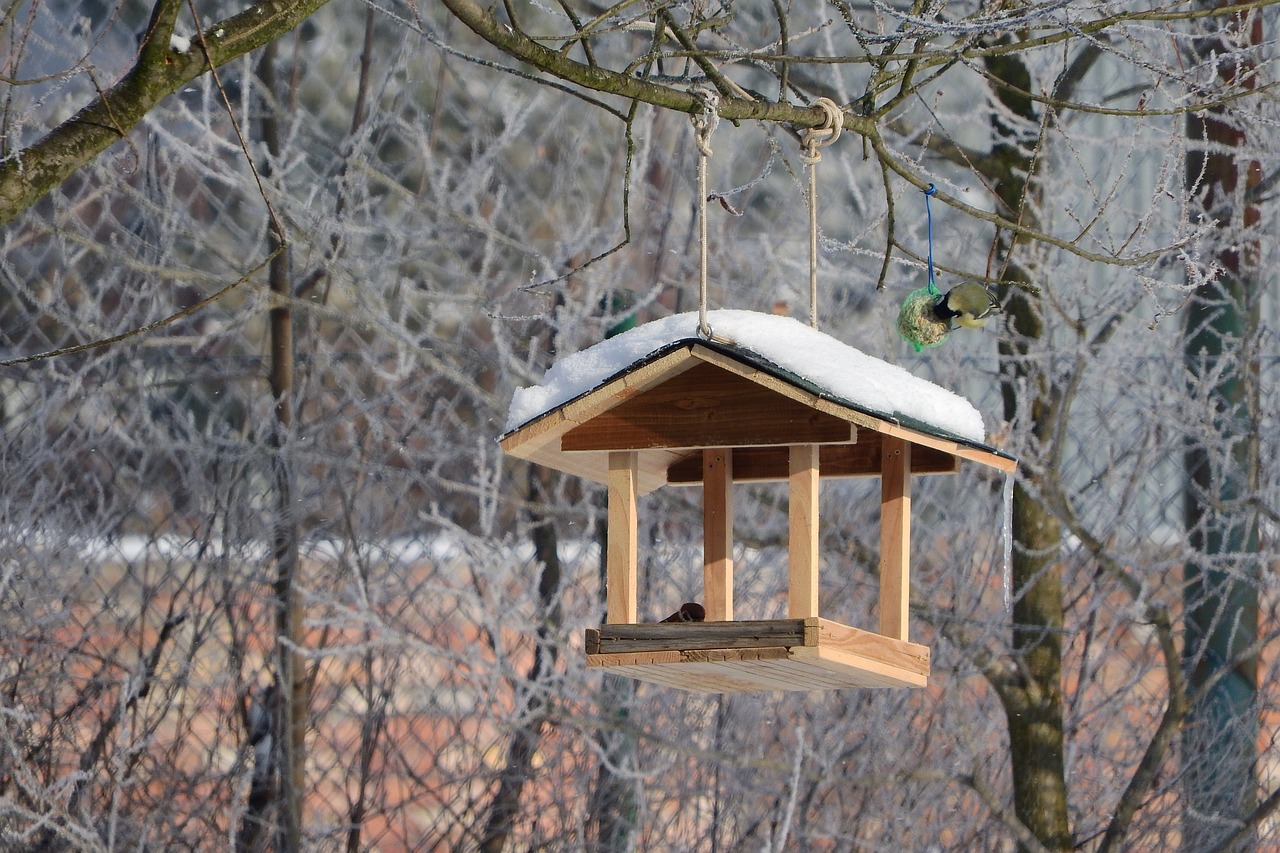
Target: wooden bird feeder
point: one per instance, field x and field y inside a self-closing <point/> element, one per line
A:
<point x="702" y="413"/>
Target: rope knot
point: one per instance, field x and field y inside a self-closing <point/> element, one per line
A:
<point x="704" y="122"/>
<point x="824" y="135"/>
<point x="815" y="138"/>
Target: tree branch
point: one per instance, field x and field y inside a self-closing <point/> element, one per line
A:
<point x="886" y="156"/>
<point x="1265" y="810"/>
<point x="159" y="71"/>
<point x="1158" y="747"/>
<point x="525" y="49"/>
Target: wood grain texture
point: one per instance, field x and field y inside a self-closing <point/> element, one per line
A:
<point x="802" y="549"/>
<point x="780" y="386"/>
<point x="684" y="636"/>
<point x="620" y="557"/>
<point x="764" y="464"/>
<point x="706" y="406"/>
<point x="955" y="448"/>
<point x="895" y="537"/>
<point x="833" y="636"/>
<point x="717" y="533"/>
<point x="816" y="654"/>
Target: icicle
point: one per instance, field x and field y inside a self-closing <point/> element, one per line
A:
<point x="487" y="485"/>
<point x="1008" y="542"/>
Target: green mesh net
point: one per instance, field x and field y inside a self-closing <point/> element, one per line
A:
<point x="917" y="323"/>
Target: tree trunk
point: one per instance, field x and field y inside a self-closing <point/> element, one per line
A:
<point x="1033" y="699"/>
<point x="1033" y="703"/>
<point x="290" y="665"/>
<point x="612" y="815"/>
<point x="1221" y="585"/>
<point x="517" y="770"/>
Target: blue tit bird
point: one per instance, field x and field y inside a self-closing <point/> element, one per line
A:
<point x="968" y="305"/>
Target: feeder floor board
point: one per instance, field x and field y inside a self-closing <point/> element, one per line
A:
<point x="737" y="657"/>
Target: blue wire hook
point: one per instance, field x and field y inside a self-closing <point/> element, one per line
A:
<point x="933" y="285"/>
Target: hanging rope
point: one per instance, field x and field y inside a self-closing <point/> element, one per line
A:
<point x="815" y="138"/>
<point x="704" y="124"/>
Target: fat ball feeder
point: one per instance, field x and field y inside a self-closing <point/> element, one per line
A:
<point x="928" y="315"/>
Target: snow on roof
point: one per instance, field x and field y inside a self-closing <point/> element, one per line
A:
<point x="837" y="369"/>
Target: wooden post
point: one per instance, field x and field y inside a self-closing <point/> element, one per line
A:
<point x="717" y="533"/>
<point x="620" y="562"/>
<point x="895" y="536"/>
<point x="802" y="588"/>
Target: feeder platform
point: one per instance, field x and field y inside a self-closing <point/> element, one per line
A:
<point x="737" y="657"/>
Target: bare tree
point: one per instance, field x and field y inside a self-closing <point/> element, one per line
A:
<point x="266" y="579"/>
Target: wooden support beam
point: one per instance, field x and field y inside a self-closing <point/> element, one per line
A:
<point x="762" y="464"/>
<point x="717" y="533"/>
<point x="895" y="536"/>
<point x="802" y="587"/>
<point x="620" y="560"/>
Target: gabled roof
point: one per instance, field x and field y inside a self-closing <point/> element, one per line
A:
<point x="669" y="401"/>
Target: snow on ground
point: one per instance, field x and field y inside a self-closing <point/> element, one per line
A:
<point x="139" y="548"/>
<point x="842" y="371"/>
